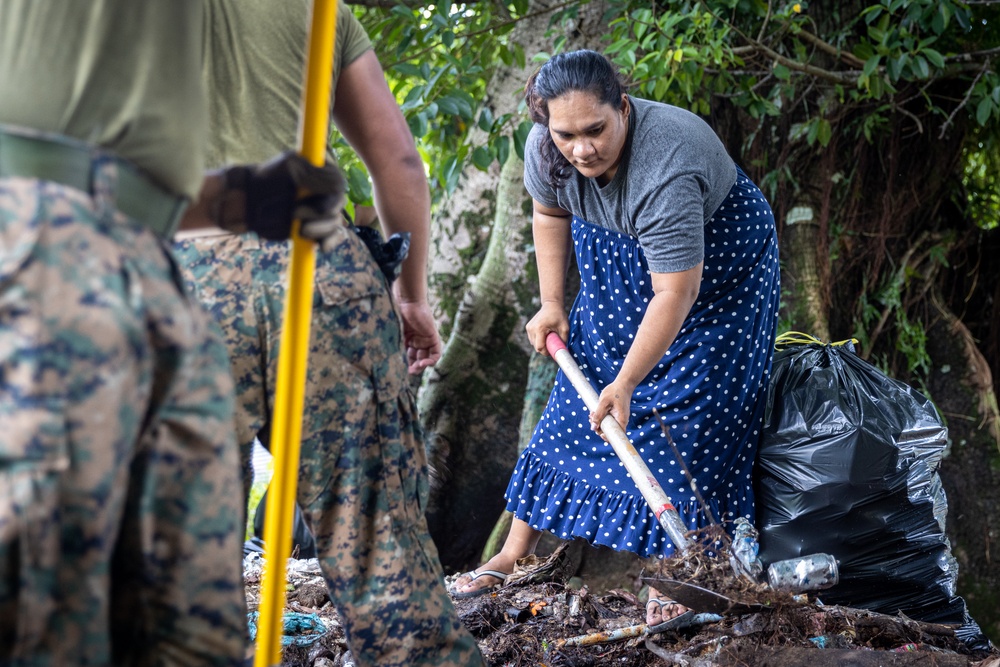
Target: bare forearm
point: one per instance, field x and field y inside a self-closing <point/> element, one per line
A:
<point x="551" y="234"/>
<point x="403" y="204"/>
<point x="659" y="327"/>
<point x="200" y="213"/>
<point x="673" y="296"/>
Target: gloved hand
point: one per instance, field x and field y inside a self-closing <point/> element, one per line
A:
<point x="271" y="192"/>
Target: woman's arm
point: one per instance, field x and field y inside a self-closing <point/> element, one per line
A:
<point x="673" y="296"/>
<point x="551" y="232"/>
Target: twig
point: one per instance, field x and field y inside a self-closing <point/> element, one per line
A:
<point x="676" y="658"/>
<point x="763" y="25"/>
<point x="965" y="100"/>
<point x="687" y="473"/>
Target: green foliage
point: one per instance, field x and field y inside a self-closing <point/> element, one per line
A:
<point x="982" y="180"/>
<point x="438" y="60"/>
<point x="773" y="58"/>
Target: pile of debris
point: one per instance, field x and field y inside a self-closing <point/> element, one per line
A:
<point x="536" y="618"/>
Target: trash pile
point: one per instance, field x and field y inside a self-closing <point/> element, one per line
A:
<point x="528" y="622"/>
<point x="851" y="564"/>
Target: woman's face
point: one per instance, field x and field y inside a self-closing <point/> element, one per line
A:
<point x="589" y="133"/>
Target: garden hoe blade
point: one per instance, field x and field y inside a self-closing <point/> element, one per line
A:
<point x="700" y="599"/>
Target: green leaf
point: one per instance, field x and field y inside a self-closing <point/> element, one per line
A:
<point x="485" y="119"/>
<point x="448" y="105"/>
<point x="503" y="150"/>
<point x="824" y="132"/>
<point x="449" y="173"/>
<point x="521" y="136"/>
<point x="894" y="66"/>
<point x="360" y="187"/>
<point x="871" y="65"/>
<point x="935" y="57"/>
<point x="418" y="124"/>
<point x="482" y="158"/>
<point x="984" y="110"/>
<point x="782" y="72"/>
<point x="964" y="18"/>
<point x="813" y="132"/>
<point x="406" y="70"/>
<point x="920" y="67"/>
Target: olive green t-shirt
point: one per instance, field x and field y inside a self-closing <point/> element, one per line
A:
<point x="120" y="74"/>
<point x="254" y="68"/>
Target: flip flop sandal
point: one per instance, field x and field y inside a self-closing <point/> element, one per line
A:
<point x="473" y="575"/>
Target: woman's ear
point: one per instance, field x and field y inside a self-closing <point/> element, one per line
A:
<point x="626" y="107"/>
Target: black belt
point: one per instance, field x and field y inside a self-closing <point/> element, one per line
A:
<point x="72" y="163"/>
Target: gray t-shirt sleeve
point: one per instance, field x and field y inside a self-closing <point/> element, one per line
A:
<point x="679" y="174"/>
<point x="669" y="224"/>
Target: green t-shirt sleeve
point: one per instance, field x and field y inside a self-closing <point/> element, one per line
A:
<point x="352" y="40"/>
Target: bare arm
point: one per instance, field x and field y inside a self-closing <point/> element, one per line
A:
<point x="550" y="229"/>
<point x="673" y="296"/>
<point x="367" y="115"/>
<point x="199" y="214"/>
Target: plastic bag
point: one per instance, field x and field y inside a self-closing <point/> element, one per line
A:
<point x="848" y="465"/>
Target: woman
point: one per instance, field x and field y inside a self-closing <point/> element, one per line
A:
<point x="677" y="311"/>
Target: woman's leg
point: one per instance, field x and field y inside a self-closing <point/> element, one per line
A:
<point x="521" y="541"/>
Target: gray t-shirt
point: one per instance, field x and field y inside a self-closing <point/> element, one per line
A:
<point x="673" y="176"/>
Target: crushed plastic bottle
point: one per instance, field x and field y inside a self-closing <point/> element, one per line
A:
<point x="743" y="557"/>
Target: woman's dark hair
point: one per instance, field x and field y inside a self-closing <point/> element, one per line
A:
<point x="579" y="71"/>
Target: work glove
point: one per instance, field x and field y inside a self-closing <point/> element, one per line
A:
<point x="286" y="188"/>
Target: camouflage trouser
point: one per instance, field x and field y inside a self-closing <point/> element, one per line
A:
<point x="119" y="522"/>
<point x="363" y="474"/>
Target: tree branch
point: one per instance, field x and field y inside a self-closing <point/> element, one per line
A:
<point x="974" y="55"/>
<point x="965" y="100"/>
<point x="832" y="50"/>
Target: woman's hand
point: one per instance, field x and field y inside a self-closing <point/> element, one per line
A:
<point x="550" y="317"/>
<point x="614" y="400"/>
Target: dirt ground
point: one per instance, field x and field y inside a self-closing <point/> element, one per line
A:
<point x="538" y="619"/>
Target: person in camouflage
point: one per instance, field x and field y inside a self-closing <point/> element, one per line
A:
<point x="363" y="473"/>
<point x="120" y="524"/>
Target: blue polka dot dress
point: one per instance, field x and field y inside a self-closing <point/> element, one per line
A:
<point x="709" y="388"/>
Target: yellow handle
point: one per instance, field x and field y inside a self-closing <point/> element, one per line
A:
<point x="286" y="429"/>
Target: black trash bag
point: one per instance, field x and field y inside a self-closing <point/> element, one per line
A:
<point x="302" y="537"/>
<point x="848" y="465"/>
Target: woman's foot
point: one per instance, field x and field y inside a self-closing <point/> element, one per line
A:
<point x="660" y="610"/>
<point x="484" y="578"/>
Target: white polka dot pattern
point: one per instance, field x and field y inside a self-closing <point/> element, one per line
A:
<point x="709" y="388"/>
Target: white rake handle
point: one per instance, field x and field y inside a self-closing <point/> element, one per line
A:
<point x="650" y="489"/>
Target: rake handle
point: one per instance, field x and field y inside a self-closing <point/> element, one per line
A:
<point x="652" y="492"/>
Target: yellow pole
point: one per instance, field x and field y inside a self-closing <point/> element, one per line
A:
<point x="286" y="429"/>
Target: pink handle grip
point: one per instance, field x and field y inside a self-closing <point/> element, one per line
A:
<point x="553" y="343"/>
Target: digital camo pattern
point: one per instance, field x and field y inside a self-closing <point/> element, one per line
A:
<point x="120" y="532"/>
<point x="363" y="472"/>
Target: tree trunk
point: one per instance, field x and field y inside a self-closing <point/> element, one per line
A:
<point x="962" y="389"/>
<point x="471" y="404"/>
